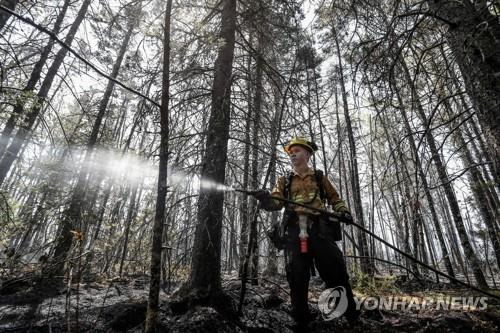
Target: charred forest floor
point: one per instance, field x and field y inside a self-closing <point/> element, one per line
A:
<point x="119" y="305"/>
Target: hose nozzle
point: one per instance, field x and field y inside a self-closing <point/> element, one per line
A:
<point x="247" y="192"/>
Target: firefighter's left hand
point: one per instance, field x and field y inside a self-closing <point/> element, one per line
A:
<point x="347" y="218"/>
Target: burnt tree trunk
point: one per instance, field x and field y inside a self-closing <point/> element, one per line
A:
<point x="477" y="184"/>
<point x="474" y="37"/>
<point x="367" y="265"/>
<point x="255" y="154"/>
<point x="156" y="246"/>
<point x="277" y="86"/>
<point x="4" y="16"/>
<point x="32" y="81"/>
<point x="128" y="222"/>
<point x="244" y="218"/>
<point x="71" y="218"/>
<point x="428" y="195"/>
<point x="22" y="133"/>
<point x="205" y="277"/>
<point x="447" y="185"/>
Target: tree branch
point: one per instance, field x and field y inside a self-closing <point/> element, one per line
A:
<point x="88" y="63"/>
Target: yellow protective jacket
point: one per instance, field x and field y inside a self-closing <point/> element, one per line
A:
<point x="305" y="190"/>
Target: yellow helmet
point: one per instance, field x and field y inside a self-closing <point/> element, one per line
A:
<point x="311" y="146"/>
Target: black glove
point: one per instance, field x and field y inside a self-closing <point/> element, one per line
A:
<point x="263" y="196"/>
<point x="346" y="217"/>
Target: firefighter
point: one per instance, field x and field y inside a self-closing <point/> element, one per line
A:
<point x="309" y="238"/>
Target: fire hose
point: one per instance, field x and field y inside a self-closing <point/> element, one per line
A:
<point x="362" y="228"/>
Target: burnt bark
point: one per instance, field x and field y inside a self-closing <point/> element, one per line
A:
<point x="367" y="265"/>
<point x="244" y="218"/>
<point x="4" y="16"/>
<point x="23" y="132"/>
<point x="477" y="184"/>
<point x="132" y="211"/>
<point x="447" y="185"/>
<point x="71" y="219"/>
<point x="205" y="277"/>
<point x="474" y="37"/>
<point x="254" y="268"/>
<point x="425" y="185"/>
<point x="156" y="247"/>
<point x="32" y="81"/>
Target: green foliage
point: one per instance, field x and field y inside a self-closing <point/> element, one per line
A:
<point x="374" y="285"/>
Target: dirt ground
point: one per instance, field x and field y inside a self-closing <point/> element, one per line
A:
<point x="119" y="306"/>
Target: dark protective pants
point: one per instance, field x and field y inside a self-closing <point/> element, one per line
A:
<point x="328" y="261"/>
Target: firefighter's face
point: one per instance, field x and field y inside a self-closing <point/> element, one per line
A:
<point x="299" y="155"/>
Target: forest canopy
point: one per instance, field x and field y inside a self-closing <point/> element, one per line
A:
<point x="126" y="125"/>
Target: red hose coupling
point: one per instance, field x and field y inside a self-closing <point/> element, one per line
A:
<point x="303" y="245"/>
